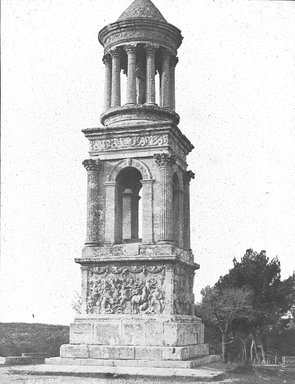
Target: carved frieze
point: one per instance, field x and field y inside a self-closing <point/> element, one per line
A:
<point x="129" y="142"/>
<point x="130" y="289"/>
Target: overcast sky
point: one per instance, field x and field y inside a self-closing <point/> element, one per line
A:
<point x="235" y="95"/>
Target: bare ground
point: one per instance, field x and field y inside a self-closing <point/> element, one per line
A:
<point x="257" y="376"/>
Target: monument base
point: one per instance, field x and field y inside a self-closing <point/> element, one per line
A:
<point x="180" y="364"/>
<point x="136" y="340"/>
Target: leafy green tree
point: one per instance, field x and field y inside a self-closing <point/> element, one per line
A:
<point x="220" y="307"/>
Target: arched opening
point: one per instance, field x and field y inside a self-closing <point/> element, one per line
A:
<point x="177" y="230"/>
<point x="127" y="206"/>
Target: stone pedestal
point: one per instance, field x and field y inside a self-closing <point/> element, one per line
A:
<point x="139" y="309"/>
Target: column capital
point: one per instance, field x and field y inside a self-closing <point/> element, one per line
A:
<point x="174" y="60"/>
<point x="130" y="48"/>
<point x="92" y="165"/>
<point x="115" y="52"/>
<point x="166" y="54"/>
<point x="151" y="47"/>
<point x="106" y="59"/>
<point x="164" y="159"/>
<point x="188" y="176"/>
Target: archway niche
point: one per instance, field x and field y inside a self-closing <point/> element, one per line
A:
<point x="127" y="205"/>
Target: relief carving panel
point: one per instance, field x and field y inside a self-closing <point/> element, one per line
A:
<point x="129" y="289"/>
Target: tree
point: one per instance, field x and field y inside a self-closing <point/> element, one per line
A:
<point x="221" y="306"/>
<point x="272" y="298"/>
<point x="262" y="275"/>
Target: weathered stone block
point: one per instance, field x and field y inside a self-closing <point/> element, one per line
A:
<point x="146" y="332"/>
<point x="81" y="333"/>
<point x="149" y="353"/>
<point x="107" y="333"/>
<point x="109" y="352"/>
<point x="74" y="351"/>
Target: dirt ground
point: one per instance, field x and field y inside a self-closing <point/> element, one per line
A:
<point x="258" y="376"/>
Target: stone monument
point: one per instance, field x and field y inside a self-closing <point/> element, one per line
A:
<point x="137" y="265"/>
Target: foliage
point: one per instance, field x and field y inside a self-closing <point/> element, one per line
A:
<point x="271" y="296"/>
<point x="16" y="338"/>
<point x="220" y="307"/>
<point x="269" y="324"/>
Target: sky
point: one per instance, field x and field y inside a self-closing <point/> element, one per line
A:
<point x="235" y="95"/>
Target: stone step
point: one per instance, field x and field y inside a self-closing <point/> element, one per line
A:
<point x="117" y="352"/>
<point x="135" y="363"/>
<point x="15" y="360"/>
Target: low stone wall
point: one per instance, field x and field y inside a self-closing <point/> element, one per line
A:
<point x="15" y="360"/>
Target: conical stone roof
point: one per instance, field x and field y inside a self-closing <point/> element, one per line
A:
<point x="142" y="9"/>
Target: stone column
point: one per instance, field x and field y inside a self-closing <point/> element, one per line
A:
<point x="116" y="85"/>
<point x="147" y="211"/>
<point x="134" y="216"/>
<point x="165" y="162"/>
<point x="131" y="77"/>
<point x="93" y="167"/>
<point x="130" y="215"/>
<point x="186" y="208"/>
<point x="165" y="79"/>
<point x="150" y="74"/>
<point x="110" y="212"/>
<point x="174" y="61"/>
<point x="108" y="81"/>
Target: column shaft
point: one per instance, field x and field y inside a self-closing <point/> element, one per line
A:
<point x="110" y="212"/>
<point x="147" y="211"/>
<point x="108" y="82"/>
<point x="92" y="233"/>
<point x="150" y="75"/>
<point x="180" y="234"/>
<point x="172" y="74"/>
<point x="165" y="162"/>
<point x="186" y="209"/>
<point x="166" y="81"/>
<point x="116" y="85"/>
<point x="131" y="77"/>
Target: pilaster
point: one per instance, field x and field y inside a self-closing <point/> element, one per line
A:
<point x="147" y="211"/>
<point x="165" y="162"/>
<point x="92" y="167"/>
<point x="110" y="201"/>
<point x="186" y="208"/>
